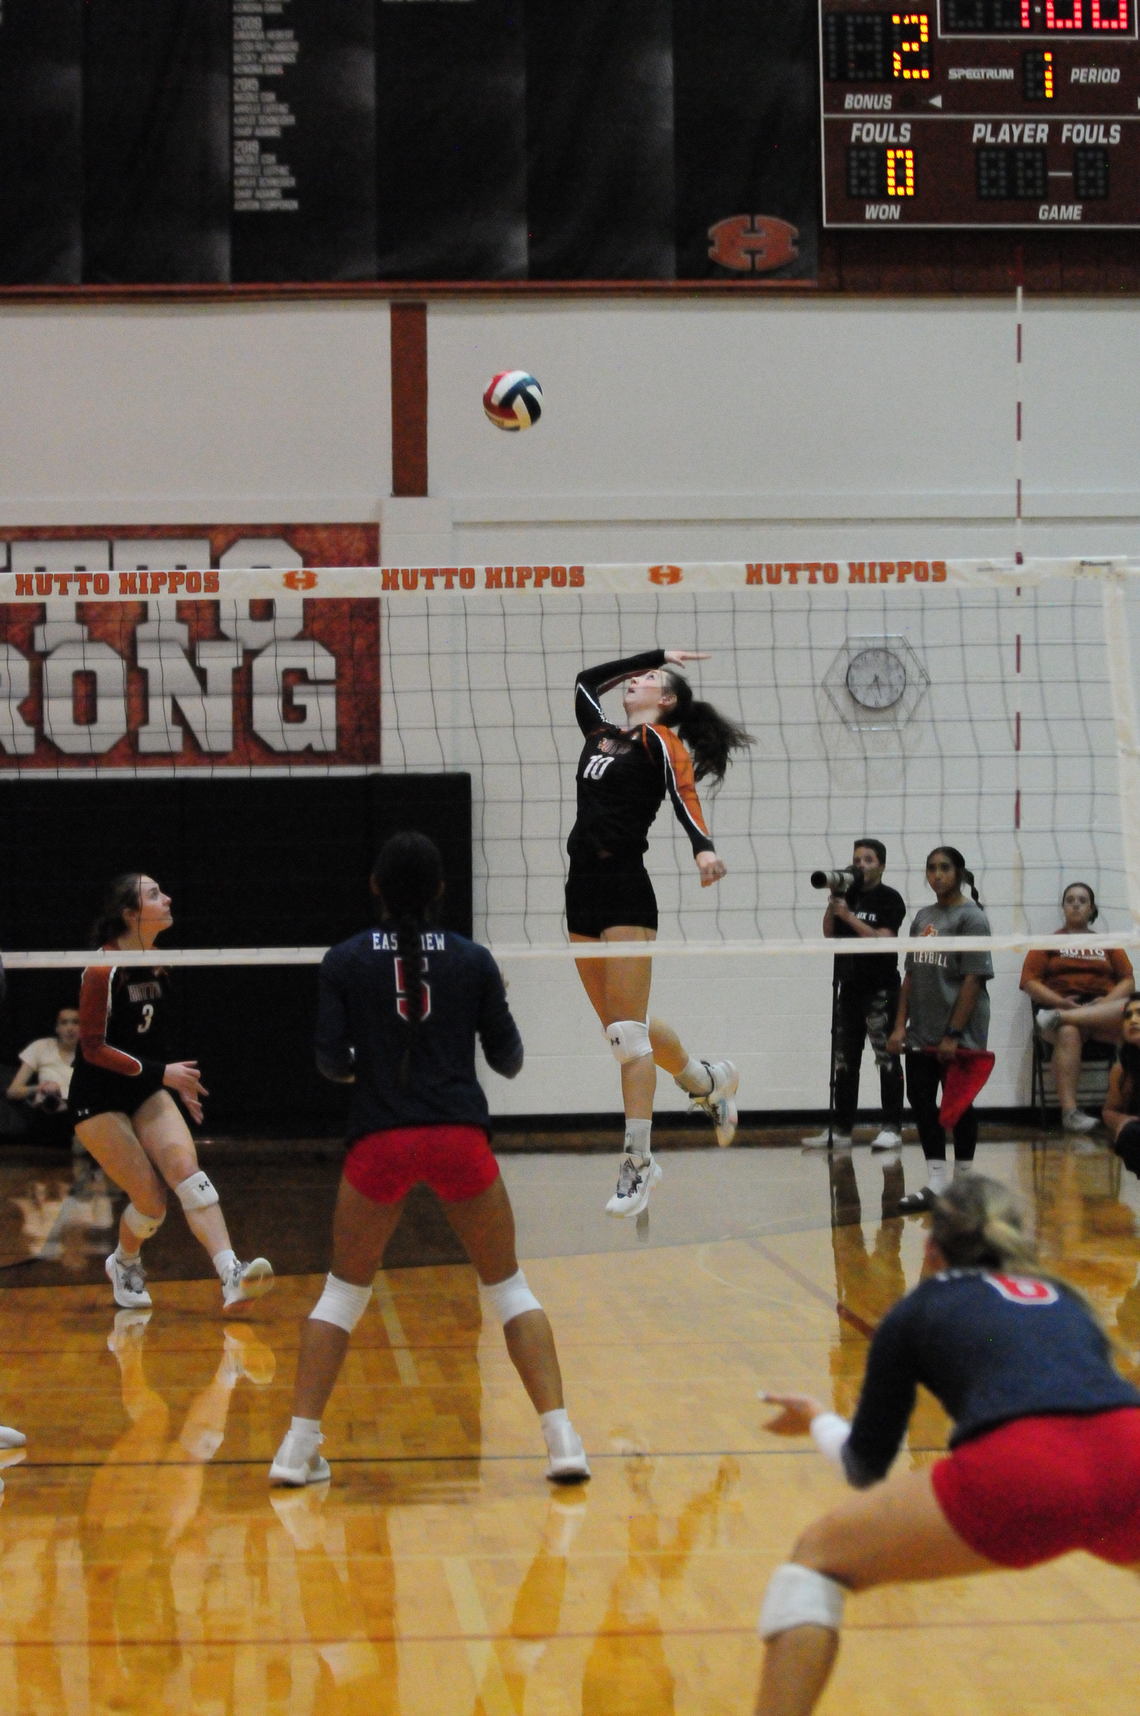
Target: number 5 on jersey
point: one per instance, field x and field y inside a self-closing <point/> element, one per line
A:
<point x="401" y="997"/>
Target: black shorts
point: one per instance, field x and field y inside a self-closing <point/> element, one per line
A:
<point x="95" y="1091"/>
<point x="603" y="893"/>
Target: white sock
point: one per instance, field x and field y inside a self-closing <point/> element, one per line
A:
<point x="962" y="1168"/>
<point x="126" y="1257"/>
<point x="551" y="1421"/>
<point x="223" y="1262"/>
<point x="637" y="1142"/>
<point x="938" y="1177"/>
<point x="695" y="1078"/>
<point x="307" y="1428"/>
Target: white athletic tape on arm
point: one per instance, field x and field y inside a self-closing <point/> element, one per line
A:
<point x="142" y="1226"/>
<point x="341" y="1303"/>
<point x="829" y="1432"/>
<point x="800" y="1597"/>
<point x="196" y="1192"/>
<point x="629" y="1040"/>
<point x="510" y="1298"/>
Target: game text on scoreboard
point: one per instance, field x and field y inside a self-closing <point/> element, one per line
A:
<point x="981" y="113"/>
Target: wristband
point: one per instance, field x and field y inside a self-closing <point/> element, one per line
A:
<point x="956" y="1036"/>
<point x="829" y="1432"/>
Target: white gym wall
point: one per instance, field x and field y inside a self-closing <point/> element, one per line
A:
<point x="674" y="430"/>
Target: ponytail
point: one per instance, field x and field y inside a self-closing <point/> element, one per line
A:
<point x="408" y="877"/>
<point x="123" y="895"/>
<point x="959" y="864"/>
<point x="710" y="736"/>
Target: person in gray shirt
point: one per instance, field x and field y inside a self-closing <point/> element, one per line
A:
<point x="944" y="1007"/>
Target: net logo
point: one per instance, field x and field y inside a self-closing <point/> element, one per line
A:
<point x="665" y="574"/>
<point x="299" y="580"/>
<point x="753" y="244"/>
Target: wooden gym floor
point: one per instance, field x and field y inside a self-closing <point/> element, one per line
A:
<point x="145" y="1565"/>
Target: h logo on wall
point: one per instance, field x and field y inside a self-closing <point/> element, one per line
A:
<point x="110" y="668"/>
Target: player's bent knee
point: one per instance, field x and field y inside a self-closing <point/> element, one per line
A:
<point x="141" y="1225"/>
<point x="510" y="1298"/>
<point x="629" y="1039"/>
<point x="341" y="1303"/>
<point x="798" y="1596"/>
<point x="196" y="1192"/>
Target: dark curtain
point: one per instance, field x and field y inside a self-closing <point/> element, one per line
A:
<point x="41" y="142"/>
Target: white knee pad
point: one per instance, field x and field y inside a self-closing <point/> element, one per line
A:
<point x="510" y="1298"/>
<point x="629" y="1040"/>
<point x="142" y="1226"/>
<point x="800" y="1597"/>
<point x="341" y="1303"/>
<point x="196" y="1193"/>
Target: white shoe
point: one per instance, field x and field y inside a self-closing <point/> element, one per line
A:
<point x="719" y="1104"/>
<point x="129" y="1283"/>
<point x="1047" y="1019"/>
<point x="568" y="1463"/>
<point x="1075" y="1121"/>
<point x="12" y="1438"/>
<point x="886" y="1139"/>
<point x="247" y="1281"/>
<point x="635" y="1182"/>
<point x="129" y="1330"/>
<point x="292" y="1465"/>
<point x="821" y="1140"/>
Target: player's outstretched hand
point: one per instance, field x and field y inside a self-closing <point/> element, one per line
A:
<point x="711" y="868"/>
<point x="679" y="656"/>
<point x="795" y="1419"/>
<point x="184" y="1077"/>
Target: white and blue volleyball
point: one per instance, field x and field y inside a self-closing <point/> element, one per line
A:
<point x="513" y="400"/>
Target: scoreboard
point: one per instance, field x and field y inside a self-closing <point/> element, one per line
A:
<point x="980" y="113"/>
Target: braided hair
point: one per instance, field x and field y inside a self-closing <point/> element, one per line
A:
<point x="408" y="878"/>
<point x="710" y="736"/>
<point x="123" y="895"/>
<point x="959" y="864"/>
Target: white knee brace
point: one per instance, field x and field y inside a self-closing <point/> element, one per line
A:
<point x="196" y="1193"/>
<point x="142" y="1226"/>
<point x="800" y="1597"/>
<point x="629" y="1040"/>
<point x="510" y="1298"/>
<point x="341" y="1303"/>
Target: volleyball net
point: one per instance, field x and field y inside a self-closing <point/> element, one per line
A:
<point x="988" y="705"/>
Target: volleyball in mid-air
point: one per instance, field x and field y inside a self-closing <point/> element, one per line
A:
<point x="513" y="400"/>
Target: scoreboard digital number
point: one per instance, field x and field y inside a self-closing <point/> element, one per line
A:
<point x="981" y="113"/>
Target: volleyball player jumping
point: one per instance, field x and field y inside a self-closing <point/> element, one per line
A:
<point x="1045" y="1452"/>
<point x="124" y="1112"/>
<point x="624" y="774"/>
<point x="401" y="1028"/>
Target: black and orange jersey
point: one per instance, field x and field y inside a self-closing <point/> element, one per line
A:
<point x="121" y="1019"/>
<point x="624" y="774"/>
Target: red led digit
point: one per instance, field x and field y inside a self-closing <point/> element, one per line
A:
<point x="1117" y="21"/>
<point x="1026" y="20"/>
<point x="1052" y="22"/>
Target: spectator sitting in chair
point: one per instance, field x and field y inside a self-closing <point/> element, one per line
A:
<point x="1078" y="996"/>
<point x="44" y="1079"/>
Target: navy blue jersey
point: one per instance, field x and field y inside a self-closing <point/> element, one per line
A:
<point x="363" y="1033"/>
<point x="991" y="1348"/>
<point x="624" y="774"/>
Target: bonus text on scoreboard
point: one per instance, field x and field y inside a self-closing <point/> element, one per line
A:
<point x="983" y="113"/>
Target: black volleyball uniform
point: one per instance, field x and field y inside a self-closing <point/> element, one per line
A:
<point x="623" y="778"/>
<point x="991" y="1348"/>
<point x="122" y="1040"/>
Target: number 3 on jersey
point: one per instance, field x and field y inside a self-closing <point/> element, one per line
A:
<point x="147" y="1019"/>
<point x="401" y="997"/>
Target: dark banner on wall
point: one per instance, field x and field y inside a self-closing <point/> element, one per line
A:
<point x="193" y="141"/>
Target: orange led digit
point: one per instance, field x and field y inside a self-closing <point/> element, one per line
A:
<point x="911" y="57"/>
<point x="900" y="172"/>
<point x="1048" y="59"/>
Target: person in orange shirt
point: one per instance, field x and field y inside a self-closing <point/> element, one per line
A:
<point x="1078" y="994"/>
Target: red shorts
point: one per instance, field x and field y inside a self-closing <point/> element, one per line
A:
<point x="1039" y="1487"/>
<point x="455" y="1161"/>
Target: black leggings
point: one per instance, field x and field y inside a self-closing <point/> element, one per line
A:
<point x="923" y="1077"/>
<point x="1127" y="1145"/>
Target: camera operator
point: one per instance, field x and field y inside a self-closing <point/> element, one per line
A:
<point x="867" y="994"/>
<point x="44" y="1078"/>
